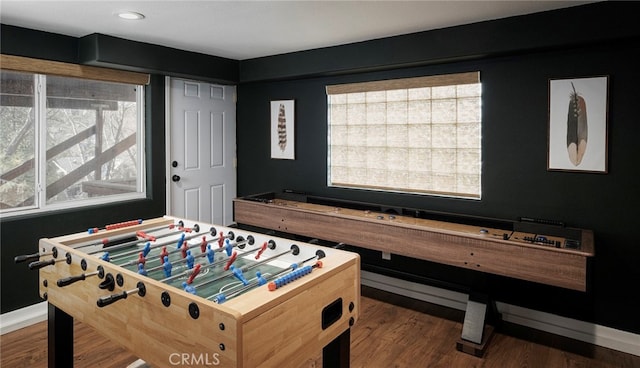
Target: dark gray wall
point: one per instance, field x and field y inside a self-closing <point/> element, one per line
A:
<point x="515" y="71"/>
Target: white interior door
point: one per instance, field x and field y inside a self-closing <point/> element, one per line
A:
<point x="202" y="151"/>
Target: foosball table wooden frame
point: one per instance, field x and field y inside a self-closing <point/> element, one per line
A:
<point x="279" y="328"/>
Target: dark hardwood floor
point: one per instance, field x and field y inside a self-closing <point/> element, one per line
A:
<point x="392" y="331"/>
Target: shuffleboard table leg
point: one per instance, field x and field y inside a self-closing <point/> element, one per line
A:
<point x="60" y="338"/>
<point x="337" y="353"/>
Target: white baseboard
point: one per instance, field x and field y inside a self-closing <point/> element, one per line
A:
<point x="426" y="293"/>
<point x="583" y="331"/>
<point x="23" y="317"/>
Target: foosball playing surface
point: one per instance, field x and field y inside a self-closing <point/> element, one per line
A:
<point x="214" y="265"/>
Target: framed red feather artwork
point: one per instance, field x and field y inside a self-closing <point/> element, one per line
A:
<point x="282" y="129"/>
<point x="578" y="119"/>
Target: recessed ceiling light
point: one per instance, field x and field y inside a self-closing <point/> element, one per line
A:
<point x="130" y="15"/>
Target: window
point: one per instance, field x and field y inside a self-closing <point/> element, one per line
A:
<point x="67" y="141"/>
<point x="414" y="135"/>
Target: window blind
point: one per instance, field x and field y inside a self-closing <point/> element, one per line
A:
<point x="24" y="64"/>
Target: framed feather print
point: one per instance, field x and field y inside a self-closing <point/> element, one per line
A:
<point x="283" y="129"/>
<point x="578" y="110"/>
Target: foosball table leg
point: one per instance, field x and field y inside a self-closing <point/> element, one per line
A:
<point x="60" y="338"/>
<point x="337" y="353"/>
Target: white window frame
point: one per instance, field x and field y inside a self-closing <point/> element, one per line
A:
<point x="27" y="65"/>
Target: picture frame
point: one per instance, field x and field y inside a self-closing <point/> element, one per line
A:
<point x="283" y="129"/>
<point x="578" y="124"/>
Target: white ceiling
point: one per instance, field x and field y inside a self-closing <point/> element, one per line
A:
<point x="248" y="29"/>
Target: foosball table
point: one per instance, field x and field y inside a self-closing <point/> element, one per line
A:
<point x="178" y="293"/>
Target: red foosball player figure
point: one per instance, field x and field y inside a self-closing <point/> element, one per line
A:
<point x="163" y="254"/>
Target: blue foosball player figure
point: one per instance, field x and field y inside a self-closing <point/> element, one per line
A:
<point x="167" y="266"/>
<point x="188" y="288"/>
<point x="190" y="260"/>
<point x="210" y="254"/>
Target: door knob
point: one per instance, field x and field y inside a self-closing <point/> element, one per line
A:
<point x="175" y="178"/>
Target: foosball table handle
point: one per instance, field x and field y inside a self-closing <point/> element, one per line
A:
<point x="106" y="300"/>
<point x="70" y="280"/>
<point x="27" y="258"/>
<point x="35" y="256"/>
<point x="39" y="264"/>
